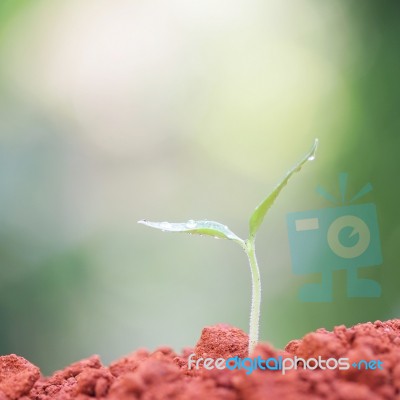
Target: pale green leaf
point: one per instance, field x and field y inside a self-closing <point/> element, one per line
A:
<point x="259" y="213"/>
<point x="208" y="228"/>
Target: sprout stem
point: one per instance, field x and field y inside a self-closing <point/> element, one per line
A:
<point x="255" y="294"/>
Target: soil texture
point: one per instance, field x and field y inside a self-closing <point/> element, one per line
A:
<point x="163" y="374"/>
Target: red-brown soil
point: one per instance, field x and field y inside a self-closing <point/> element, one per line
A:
<point x="163" y="374"/>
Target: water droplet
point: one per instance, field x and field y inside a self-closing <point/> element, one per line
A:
<point x="191" y="224"/>
<point x="165" y="225"/>
<point x="311" y="158"/>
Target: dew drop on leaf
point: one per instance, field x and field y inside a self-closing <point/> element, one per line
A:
<point x="191" y="224"/>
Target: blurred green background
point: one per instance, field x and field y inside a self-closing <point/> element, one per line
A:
<point x="111" y="112"/>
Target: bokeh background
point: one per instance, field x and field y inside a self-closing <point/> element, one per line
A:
<point x="114" y="111"/>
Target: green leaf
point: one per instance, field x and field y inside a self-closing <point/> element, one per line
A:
<point x="209" y="228"/>
<point x="259" y="213"/>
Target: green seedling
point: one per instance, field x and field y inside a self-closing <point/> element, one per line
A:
<point x="218" y="230"/>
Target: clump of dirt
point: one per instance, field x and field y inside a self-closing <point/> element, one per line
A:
<point x="17" y="377"/>
<point x="222" y="341"/>
<point x="163" y="374"/>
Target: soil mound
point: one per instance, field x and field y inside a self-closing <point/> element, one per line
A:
<point x="372" y="351"/>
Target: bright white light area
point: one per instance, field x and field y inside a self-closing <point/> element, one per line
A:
<point x="247" y="80"/>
